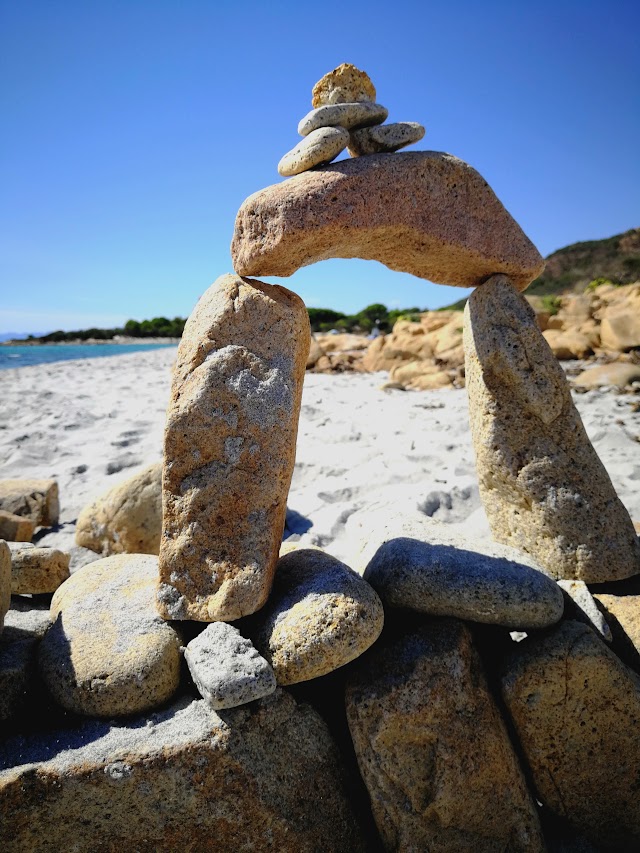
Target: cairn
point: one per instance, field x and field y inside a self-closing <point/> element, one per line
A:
<point x="345" y="115"/>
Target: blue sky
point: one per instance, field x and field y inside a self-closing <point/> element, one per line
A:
<point x="133" y="131"/>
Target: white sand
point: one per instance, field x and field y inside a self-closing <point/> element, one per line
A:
<point x="92" y="423"/>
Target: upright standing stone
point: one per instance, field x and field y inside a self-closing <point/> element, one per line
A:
<point x="544" y="489"/>
<point x="229" y="449"/>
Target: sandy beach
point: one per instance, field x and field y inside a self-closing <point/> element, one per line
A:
<point x="92" y="423"/>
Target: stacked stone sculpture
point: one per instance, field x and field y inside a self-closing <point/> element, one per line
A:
<point x="345" y="115"/>
<point x="415" y="643"/>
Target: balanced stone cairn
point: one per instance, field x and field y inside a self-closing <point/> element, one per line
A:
<point x="480" y="681"/>
<point x="345" y="115"/>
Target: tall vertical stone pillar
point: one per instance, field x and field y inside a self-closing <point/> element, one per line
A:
<point x="229" y="449"/>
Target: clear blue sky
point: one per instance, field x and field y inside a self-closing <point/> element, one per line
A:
<point x="132" y="131"/>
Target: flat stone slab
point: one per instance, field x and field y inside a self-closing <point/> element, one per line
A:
<point x="265" y="777"/>
<point x="229" y="449"/>
<point x="108" y="653"/>
<point x="447" y="576"/>
<point x="320" y="616"/>
<point x="421" y="212"/>
<point x="226" y="668"/>
<point x="384" y="138"/>
<point x="349" y="116"/>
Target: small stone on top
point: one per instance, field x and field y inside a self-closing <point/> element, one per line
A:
<point x="344" y="85"/>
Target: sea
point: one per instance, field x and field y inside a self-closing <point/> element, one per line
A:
<point x="27" y="356"/>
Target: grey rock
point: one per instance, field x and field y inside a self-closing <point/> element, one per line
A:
<point x="320" y="146"/>
<point x="349" y="116"/>
<point x="226" y="668"/>
<point x="264" y="777"/>
<point x="582" y="607"/>
<point x="384" y="138"/>
<point x="25" y="623"/>
<point x="444" y="574"/>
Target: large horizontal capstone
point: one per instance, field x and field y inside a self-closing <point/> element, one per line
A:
<point x="423" y="212"/>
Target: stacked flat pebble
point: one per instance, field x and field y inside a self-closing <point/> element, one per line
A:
<point x="345" y="115"/>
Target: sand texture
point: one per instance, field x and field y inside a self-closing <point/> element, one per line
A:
<point x="91" y="424"/>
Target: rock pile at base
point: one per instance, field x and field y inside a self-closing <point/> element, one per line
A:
<point x="36" y="500"/>
<point x="345" y="115"/>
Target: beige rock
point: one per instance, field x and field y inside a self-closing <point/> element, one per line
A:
<point x="421" y="212"/>
<point x="621" y="605"/>
<point x="38" y="570"/>
<point x="433" y="750"/>
<point x="320" y="146"/>
<point x="580" y="606"/>
<point x="15" y="528"/>
<point x="265" y="777"/>
<point x="618" y="374"/>
<point x="34" y="499"/>
<point x="344" y="342"/>
<point x="230" y="444"/>
<point x="544" y="489"/>
<point x="570" y="344"/>
<point x="620" y="319"/>
<point x="108" y="653"/>
<point x="575" y="708"/>
<point x="363" y="114"/>
<point x="315" y="353"/>
<point x="421" y="376"/>
<point x="5" y="581"/>
<point x="345" y="84"/>
<point x="384" y="138"/>
<point x="320" y="616"/>
<point x="127" y="518"/>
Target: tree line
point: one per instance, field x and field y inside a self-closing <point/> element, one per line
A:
<point x="321" y="320"/>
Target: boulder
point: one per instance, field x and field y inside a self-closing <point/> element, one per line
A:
<point x="544" y="489"/>
<point x="226" y="668"/>
<point x="447" y="575"/>
<point x="229" y="449"/>
<point x="575" y="708"/>
<point x="620" y="319"/>
<point x="37" y="570"/>
<point x="127" y="519"/>
<point x="33" y="499"/>
<point x="315" y="353"/>
<point x="15" y="528"/>
<point x="618" y="374"/>
<point x="432" y="748"/>
<point x="570" y="344"/>
<point x="320" y="616"/>
<point x="263" y="777"/>
<point x="108" y="653"/>
<point x="421" y="212"/>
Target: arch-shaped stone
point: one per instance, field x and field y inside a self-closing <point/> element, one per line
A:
<point x="422" y="212"/>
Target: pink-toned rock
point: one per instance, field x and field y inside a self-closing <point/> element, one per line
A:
<point x="229" y="449"/>
<point x="425" y="213"/>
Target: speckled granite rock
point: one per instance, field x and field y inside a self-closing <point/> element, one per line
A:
<point x="581" y="607"/>
<point x="384" y="138"/>
<point x="447" y="576"/>
<point x="15" y="528"/>
<point x="433" y="750"/>
<point x="345" y="84"/>
<point x="37" y="570"/>
<point x="108" y="653"/>
<point x="24" y="625"/>
<point x="320" y="146"/>
<point x="575" y="708"/>
<point x="265" y="777"/>
<point x="226" y="668"/>
<point x="420" y="212"/>
<point x="230" y="442"/>
<point x="320" y="616"/>
<point x="127" y="519"/>
<point x="544" y="489"/>
<point x="349" y="116"/>
<point x="5" y="580"/>
<point x="34" y="499"/>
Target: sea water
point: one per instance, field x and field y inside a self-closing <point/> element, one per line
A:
<point x="26" y="356"/>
